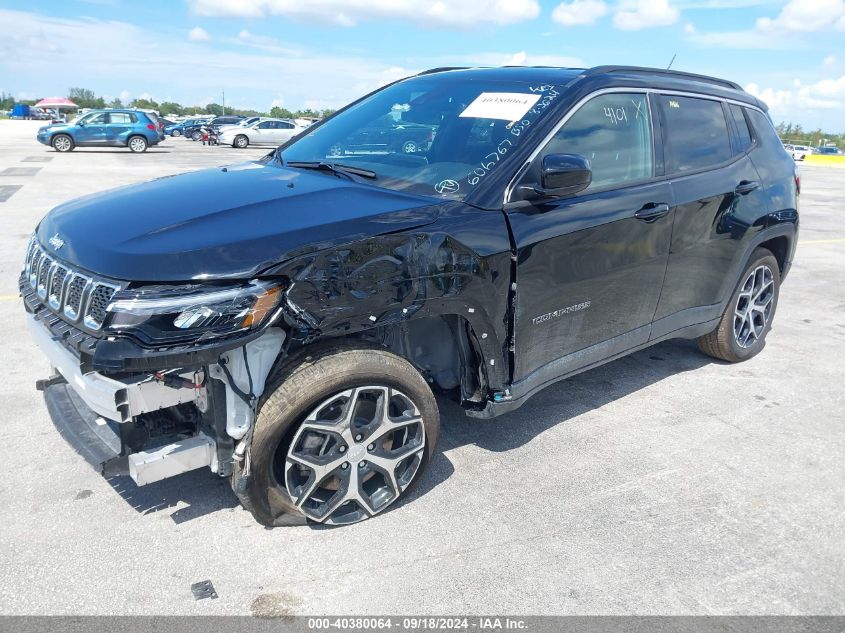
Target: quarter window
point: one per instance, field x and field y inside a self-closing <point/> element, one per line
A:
<point x="743" y="133"/>
<point x="613" y="131"/>
<point x="696" y="133"/>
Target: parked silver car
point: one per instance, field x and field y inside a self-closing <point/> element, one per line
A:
<point x="263" y="132"/>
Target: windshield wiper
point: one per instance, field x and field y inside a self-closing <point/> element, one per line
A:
<point x="334" y="168"/>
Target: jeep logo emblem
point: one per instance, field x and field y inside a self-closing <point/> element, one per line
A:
<point x="56" y="242"/>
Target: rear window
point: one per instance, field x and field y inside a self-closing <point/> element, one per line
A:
<point x="697" y="133"/>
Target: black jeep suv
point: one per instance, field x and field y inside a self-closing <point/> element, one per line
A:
<point x="286" y="321"/>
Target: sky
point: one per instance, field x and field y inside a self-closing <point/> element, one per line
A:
<point x="325" y="53"/>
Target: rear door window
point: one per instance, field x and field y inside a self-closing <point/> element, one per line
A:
<point x="696" y="133"/>
<point x="123" y="118"/>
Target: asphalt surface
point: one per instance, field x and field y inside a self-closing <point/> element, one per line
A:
<point x="663" y="483"/>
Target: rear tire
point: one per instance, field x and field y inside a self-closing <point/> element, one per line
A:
<point x="175" y="133"/>
<point x="62" y="143"/>
<point x="747" y="319"/>
<point x="137" y="144"/>
<point x="195" y="135"/>
<point x="324" y="388"/>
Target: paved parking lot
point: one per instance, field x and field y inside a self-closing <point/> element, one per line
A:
<point x="663" y="483"/>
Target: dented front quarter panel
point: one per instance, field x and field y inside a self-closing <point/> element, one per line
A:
<point x="457" y="265"/>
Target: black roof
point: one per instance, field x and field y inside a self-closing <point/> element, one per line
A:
<point x="605" y="76"/>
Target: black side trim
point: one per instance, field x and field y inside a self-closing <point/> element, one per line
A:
<point x="99" y="444"/>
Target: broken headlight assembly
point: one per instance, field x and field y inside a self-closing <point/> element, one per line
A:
<point x="194" y="313"/>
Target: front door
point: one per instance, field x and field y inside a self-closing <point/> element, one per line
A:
<point x="590" y="268"/>
<point x="93" y="130"/>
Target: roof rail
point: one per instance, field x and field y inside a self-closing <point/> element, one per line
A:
<point x="601" y="70"/>
<point x="442" y="69"/>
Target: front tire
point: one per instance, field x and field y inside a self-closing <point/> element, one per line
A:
<point x="62" y="143"/>
<point x="747" y="319"/>
<point x="343" y="434"/>
<point x="241" y="142"/>
<point x="137" y="144"/>
<point x="176" y="133"/>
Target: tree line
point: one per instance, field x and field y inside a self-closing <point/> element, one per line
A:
<point x="799" y="136"/>
<point x="85" y="98"/>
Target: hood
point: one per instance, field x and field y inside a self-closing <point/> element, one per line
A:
<point x="229" y="222"/>
<point x="54" y="126"/>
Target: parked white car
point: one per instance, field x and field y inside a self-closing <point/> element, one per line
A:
<point x="800" y="151"/>
<point x="263" y="132"/>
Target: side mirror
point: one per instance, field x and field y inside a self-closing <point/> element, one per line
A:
<point x="81" y="124"/>
<point x="561" y="175"/>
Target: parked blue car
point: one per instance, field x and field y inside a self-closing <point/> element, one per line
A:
<point x="134" y="129"/>
<point x="178" y="129"/>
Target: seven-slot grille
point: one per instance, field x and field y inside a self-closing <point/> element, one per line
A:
<point x="66" y="291"/>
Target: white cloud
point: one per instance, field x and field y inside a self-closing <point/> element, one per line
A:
<point x="263" y="42"/>
<point x="346" y="13"/>
<point x="642" y="14"/>
<point x="804" y="16"/>
<point x="689" y="28"/>
<point x="826" y="94"/>
<point x="830" y="60"/>
<point x="124" y="95"/>
<point x="198" y="34"/>
<point x="579" y="12"/>
<point x="150" y="55"/>
<point x="788" y="29"/>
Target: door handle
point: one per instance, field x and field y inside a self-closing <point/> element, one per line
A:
<point x="652" y="211"/>
<point x="746" y="186"/>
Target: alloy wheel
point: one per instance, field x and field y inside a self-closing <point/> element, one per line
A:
<point x="137" y="144"/>
<point x="409" y="147"/>
<point x="241" y="141"/>
<point x="754" y="306"/>
<point x="354" y="454"/>
<point x="62" y="144"/>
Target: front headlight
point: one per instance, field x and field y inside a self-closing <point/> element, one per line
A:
<point x="193" y="313"/>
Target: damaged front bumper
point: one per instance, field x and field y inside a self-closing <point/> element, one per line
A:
<point x="150" y="425"/>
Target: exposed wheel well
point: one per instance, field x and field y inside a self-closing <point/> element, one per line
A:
<point x="444" y="349"/>
<point x="779" y="247"/>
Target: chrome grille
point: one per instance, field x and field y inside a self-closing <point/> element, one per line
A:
<point x="67" y="292"/>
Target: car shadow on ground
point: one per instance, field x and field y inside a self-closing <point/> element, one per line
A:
<point x="195" y="493"/>
<point x="202" y="493"/>
<point x="557" y="404"/>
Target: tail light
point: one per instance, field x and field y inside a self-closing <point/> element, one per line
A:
<point x="150" y="126"/>
<point x="797" y="183"/>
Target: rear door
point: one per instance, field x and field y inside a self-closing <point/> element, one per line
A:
<point x="718" y="196"/>
<point x="118" y="127"/>
<point x="284" y="131"/>
<point x="590" y="267"/>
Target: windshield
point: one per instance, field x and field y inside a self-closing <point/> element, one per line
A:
<point x="437" y="135"/>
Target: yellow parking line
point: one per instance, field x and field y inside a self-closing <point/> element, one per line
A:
<point x="837" y="240"/>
